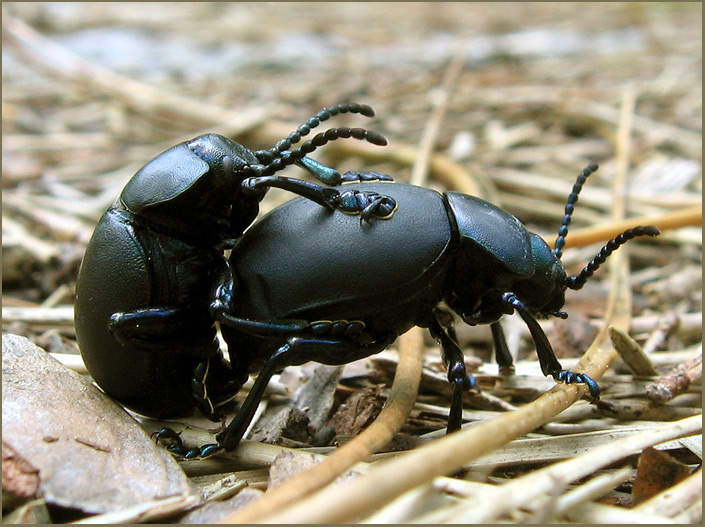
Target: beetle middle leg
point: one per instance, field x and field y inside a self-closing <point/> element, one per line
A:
<point x="442" y="330"/>
<point x="504" y="358"/>
<point x="150" y="326"/>
<point x="161" y="330"/>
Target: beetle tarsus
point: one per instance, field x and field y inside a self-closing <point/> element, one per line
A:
<point x="367" y="204"/>
<point x="172" y="441"/>
<point x="332" y="177"/>
<point x="570" y="377"/>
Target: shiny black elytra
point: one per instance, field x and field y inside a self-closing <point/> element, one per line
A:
<point x="313" y="285"/>
<point x="156" y="258"/>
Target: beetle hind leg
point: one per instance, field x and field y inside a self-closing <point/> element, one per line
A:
<point x="296" y="350"/>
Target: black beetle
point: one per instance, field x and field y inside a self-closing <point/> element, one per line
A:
<point x="150" y="270"/>
<point x="311" y="285"/>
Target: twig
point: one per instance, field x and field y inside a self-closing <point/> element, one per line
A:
<point x="692" y="216"/>
<point x="667" y="387"/>
<point x="491" y="505"/>
<point x="430" y="134"/>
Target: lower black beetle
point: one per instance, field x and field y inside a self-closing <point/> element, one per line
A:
<point x="311" y="285"/>
<point x="156" y="258"/>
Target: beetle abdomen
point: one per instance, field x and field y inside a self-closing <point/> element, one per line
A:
<point x="303" y="262"/>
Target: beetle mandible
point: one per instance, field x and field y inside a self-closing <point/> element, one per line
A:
<point x="155" y="259"/>
<point x="310" y="285"/>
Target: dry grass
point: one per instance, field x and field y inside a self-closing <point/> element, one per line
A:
<point x="505" y="102"/>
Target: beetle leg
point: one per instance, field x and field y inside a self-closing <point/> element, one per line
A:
<point x="367" y="204"/>
<point x="171" y="440"/>
<point x="364" y="177"/>
<point x="317" y="193"/>
<point x="547" y="358"/>
<point x="504" y="358"/>
<point x="235" y="431"/>
<point x="295" y="351"/>
<point x="324" y="173"/>
<point x="260" y="329"/>
<point x="442" y="330"/>
<point x="332" y="177"/>
<point x="222" y="297"/>
<point x="150" y="327"/>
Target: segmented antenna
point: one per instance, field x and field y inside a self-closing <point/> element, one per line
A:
<point x="290" y="157"/>
<point x="570" y="207"/>
<point x="577" y="282"/>
<point x="267" y="156"/>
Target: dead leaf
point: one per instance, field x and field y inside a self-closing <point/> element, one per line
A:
<point x="89" y="453"/>
<point x="656" y="472"/>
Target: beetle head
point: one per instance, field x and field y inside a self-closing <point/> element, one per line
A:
<point x="225" y="158"/>
<point x="543" y="293"/>
<point x="540" y="286"/>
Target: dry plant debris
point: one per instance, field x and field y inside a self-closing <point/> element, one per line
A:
<point x="507" y="103"/>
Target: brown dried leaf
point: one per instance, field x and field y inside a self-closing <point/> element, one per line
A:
<point x="90" y="454"/>
<point x="656" y="472"/>
<point x="19" y="477"/>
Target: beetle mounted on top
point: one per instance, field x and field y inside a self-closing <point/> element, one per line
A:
<point x="150" y="270"/>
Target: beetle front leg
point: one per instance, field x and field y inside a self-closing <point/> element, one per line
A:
<point x="442" y="330"/>
<point x="547" y="358"/>
<point x="367" y="204"/>
<point x="332" y="177"/>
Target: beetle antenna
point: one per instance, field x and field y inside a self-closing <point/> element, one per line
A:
<point x="570" y="206"/>
<point x="577" y="282"/>
<point x="267" y="156"/>
<point x="292" y="156"/>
